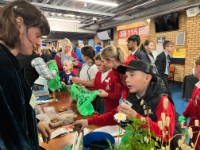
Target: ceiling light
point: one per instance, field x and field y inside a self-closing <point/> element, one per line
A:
<point x="69" y="15"/>
<point x="94" y="18"/>
<point x="44" y="37"/>
<point x="57" y="19"/>
<point x="148" y="20"/>
<point x="59" y="14"/>
<point x="53" y="13"/>
<point x="100" y="2"/>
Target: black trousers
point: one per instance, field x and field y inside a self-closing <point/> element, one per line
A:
<point x="165" y="79"/>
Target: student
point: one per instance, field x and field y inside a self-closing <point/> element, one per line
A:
<point x="133" y="45"/>
<point x="67" y="73"/>
<point x="143" y="84"/>
<point x="21" y="28"/>
<point x="113" y="57"/>
<point x="193" y="107"/>
<point x="108" y="82"/>
<point x="163" y="60"/>
<point x="147" y="48"/>
<point x="88" y="70"/>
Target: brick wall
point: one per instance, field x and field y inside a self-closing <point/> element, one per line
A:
<point x="128" y="26"/>
<point x="179" y="69"/>
<point x="191" y="27"/>
<point x="192" y="42"/>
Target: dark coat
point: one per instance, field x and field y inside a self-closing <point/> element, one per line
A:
<point x="18" y="129"/>
<point x="140" y="55"/>
<point x="161" y="63"/>
<point x="147" y="57"/>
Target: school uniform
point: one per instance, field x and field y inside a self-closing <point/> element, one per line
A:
<point x="154" y="97"/>
<point x="122" y="76"/>
<point x="192" y="112"/>
<point x="162" y="64"/>
<point x="109" y="82"/>
<point x="139" y="54"/>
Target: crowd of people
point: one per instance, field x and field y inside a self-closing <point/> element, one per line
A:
<point x="134" y="77"/>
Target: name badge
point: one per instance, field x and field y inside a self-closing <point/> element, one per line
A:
<point x="32" y="101"/>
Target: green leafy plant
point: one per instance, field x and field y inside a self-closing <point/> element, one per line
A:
<point x="137" y="137"/>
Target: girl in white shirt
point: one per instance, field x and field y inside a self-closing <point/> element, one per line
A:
<point x="88" y="70"/>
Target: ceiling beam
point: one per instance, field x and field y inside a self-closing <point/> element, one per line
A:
<point x="108" y="18"/>
<point x="55" y="7"/>
<point x="45" y="1"/>
<point x="123" y="6"/>
<point x="56" y="2"/>
<point x="154" y="12"/>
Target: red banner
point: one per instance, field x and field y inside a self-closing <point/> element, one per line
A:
<point x="142" y="31"/>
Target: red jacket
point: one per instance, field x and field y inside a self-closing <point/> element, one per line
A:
<point x="59" y="64"/>
<point x="112" y="86"/>
<point x="108" y="118"/>
<point x="122" y="77"/>
<point x="192" y="111"/>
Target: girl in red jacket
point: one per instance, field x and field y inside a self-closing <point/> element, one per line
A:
<point x="113" y="57"/>
<point x="192" y="110"/>
<point x="108" y="82"/>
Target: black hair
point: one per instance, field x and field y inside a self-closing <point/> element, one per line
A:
<point x="88" y="51"/>
<point x="135" y="38"/>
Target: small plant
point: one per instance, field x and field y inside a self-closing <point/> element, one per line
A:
<point x="139" y="137"/>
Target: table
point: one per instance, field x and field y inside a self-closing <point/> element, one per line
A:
<point x="188" y="86"/>
<point x="60" y="143"/>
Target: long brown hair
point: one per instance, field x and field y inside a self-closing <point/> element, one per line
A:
<point x="146" y="43"/>
<point x="113" y="52"/>
<point x="32" y="17"/>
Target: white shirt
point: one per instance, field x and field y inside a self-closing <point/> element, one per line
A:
<point x="134" y="52"/>
<point x="87" y="72"/>
<point x="104" y="75"/>
<point x="197" y="84"/>
<point x="167" y="64"/>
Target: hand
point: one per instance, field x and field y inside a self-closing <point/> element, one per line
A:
<point x="127" y="110"/>
<point x="75" y="62"/>
<point x="103" y="94"/>
<point x="68" y="86"/>
<point x="63" y="83"/>
<point x="83" y="122"/>
<point x="45" y="131"/>
<point x="76" y="80"/>
<point x="48" y="63"/>
<point x="83" y="86"/>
